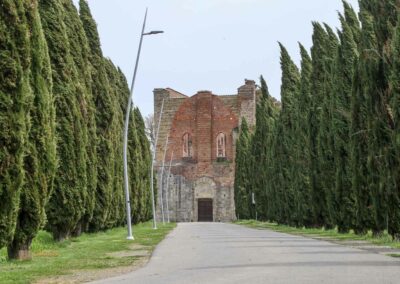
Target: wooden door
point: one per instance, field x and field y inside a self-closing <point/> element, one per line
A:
<point x="205" y="210"/>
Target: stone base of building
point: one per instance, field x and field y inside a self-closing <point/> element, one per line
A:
<point x="199" y="201"/>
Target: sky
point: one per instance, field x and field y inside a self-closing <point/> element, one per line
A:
<point x="208" y="44"/>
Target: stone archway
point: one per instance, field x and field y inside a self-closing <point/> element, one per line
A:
<point x="204" y="189"/>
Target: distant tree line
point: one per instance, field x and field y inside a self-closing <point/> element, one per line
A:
<point x="330" y="156"/>
<point x="62" y="106"/>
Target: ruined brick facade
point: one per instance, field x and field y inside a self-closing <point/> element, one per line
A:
<point x="201" y="132"/>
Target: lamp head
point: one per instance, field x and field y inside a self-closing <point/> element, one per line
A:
<point x="154" y="33"/>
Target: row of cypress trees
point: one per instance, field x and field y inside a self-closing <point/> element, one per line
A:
<point x="330" y="155"/>
<point x="62" y="107"/>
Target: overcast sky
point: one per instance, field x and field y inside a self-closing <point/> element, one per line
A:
<point x="208" y="44"/>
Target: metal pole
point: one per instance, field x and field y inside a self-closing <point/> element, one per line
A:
<point x="126" y="129"/>
<point x="152" y="167"/>
<point x="166" y="192"/>
<point x="162" y="181"/>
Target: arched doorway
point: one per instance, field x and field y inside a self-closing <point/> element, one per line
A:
<point x="204" y="197"/>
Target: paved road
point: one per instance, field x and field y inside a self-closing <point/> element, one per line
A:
<point x="225" y="253"/>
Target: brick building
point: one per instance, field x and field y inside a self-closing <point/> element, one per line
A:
<point x="201" y="132"/>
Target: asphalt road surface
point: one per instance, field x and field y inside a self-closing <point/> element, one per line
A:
<point x="225" y="253"/>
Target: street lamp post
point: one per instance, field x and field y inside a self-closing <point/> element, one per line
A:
<point x="152" y="166"/>
<point x="162" y="181"/>
<point x="126" y="129"/>
<point x="166" y="192"/>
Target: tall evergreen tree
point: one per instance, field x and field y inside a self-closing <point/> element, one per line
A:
<point x="105" y="112"/>
<point x="341" y="118"/>
<point x="117" y="203"/>
<point x="381" y="125"/>
<point x="394" y="155"/>
<point x="359" y="133"/>
<point x="243" y="173"/>
<point x="325" y="135"/>
<point x="289" y="91"/>
<point x="139" y="157"/>
<point x="144" y="210"/>
<point x="40" y="156"/>
<point x="302" y="155"/>
<point x="378" y="19"/>
<point x="15" y="97"/>
<point x="318" y="79"/>
<point x="135" y="168"/>
<point x="123" y="93"/>
<point x="261" y="173"/>
<point x="378" y="137"/>
<point x="66" y="206"/>
<point x="79" y="49"/>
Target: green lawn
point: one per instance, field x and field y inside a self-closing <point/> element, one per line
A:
<point x="87" y="252"/>
<point x="385" y="240"/>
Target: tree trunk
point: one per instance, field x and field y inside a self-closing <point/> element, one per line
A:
<point x="77" y="231"/>
<point x="60" y="236"/>
<point x="377" y="233"/>
<point x="343" y="230"/>
<point x="360" y="232"/>
<point x="396" y="237"/>
<point x="19" y="251"/>
<point x="329" y="227"/>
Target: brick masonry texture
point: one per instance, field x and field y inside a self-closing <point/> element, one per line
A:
<point x="202" y="176"/>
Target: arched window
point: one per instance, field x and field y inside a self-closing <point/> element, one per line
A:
<point x="221" y="145"/>
<point x="187" y="145"/>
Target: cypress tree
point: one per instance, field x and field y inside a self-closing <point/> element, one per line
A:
<point x="286" y="124"/>
<point x="261" y="173"/>
<point x="139" y="163"/>
<point x="144" y="211"/>
<point x="242" y="173"/>
<point x="66" y="206"/>
<point x="343" y="78"/>
<point x="302" y="155"/>
<point x="79" y="49"/>
<point x="358" y="157"/>
<point x="325" y="138"/>
<point x="104" y="118"/>
<point x="318" y="79"/>
<point x="258" y="175"/>
<point x="117" y="199"/>
<point x="79" y="52"/>
<point x="15" y="98"/>
<point x="279" y="196"/>
<point x="123" y="93"/>
<point x="273" y="166"/>
<point x="394" y="156"/>
<point x="384" y="16"/>
<point x="40" y="156"/>
<point x="374" y="88"/>
<point x="139" y="157"/>
<point x="135" y="164"/>
<point x="359" y="133"/>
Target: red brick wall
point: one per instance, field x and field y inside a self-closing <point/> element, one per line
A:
<point x="203" y="116"/>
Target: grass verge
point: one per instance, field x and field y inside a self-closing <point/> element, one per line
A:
<point x="384" y="240"/>
<point x="87" y="252"/>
